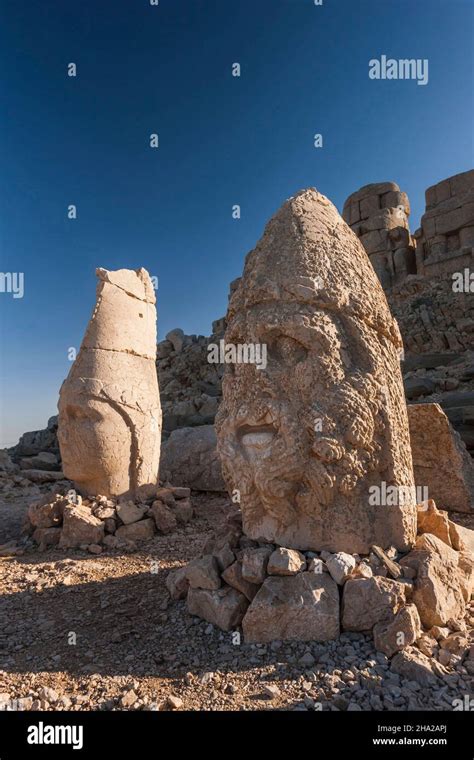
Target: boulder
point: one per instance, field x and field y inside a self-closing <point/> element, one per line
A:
<point x="303" y="607"/>
<point x="47" y="536"/>
<point x="441" y="461"/>
<point x="232" y="575"/>
<point x="177" y="583"/>
<point x="128" y="512"/>
<point x="286" y="562"/>
<point x="204" y="573"/>
<point x="189" y="458"/>
<point x="254" y="564"/>
<point x="414" y="666"/>
<point x="396" y="634"/>
<point x="224" y="607"/>
<point x="461" y="538"/>
<point x="164" y="517"/>
<point x="438" y="593"/>
<point x="340" y="566"/>
<point x="137" y="531"/>
<point x="367" y="601"/>
<point x="47" y="512"/>
<point x="80" y="527"/>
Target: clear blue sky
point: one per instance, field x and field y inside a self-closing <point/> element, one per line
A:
<point x="223" y="140"/>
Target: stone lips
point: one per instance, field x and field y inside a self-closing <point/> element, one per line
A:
<point x="109" y="407"/>
<point x="308" y="291"/>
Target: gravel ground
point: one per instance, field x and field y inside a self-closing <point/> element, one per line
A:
<point x="87" y="632"/>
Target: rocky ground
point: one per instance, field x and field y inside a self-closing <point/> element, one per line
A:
<point x="100" y="633"/>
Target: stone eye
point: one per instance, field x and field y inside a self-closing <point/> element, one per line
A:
<point x="286" y="351"/>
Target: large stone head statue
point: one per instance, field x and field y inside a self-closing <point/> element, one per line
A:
<point x="109" y="407"/>
<point x="315" y="440"/>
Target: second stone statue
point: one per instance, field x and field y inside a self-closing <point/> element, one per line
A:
<point x="109" y="426"/>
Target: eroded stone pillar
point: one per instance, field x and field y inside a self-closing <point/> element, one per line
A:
<point x="109" y="426"/>
<point x="311" y="442"/>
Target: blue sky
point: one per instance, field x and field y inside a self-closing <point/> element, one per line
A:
<point x="224" y="140"/>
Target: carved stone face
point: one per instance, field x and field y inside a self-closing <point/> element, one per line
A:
<point x="304" y="439"/>
<point x="109" y="426"/>
<point x="87" y="428"/>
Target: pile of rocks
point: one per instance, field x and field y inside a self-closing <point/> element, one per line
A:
<point x="190" y="386"/>
<point x="414" y="603"/>
<point x="69" y="521"/>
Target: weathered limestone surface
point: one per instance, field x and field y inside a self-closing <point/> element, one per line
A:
<point x="378" y="214"/>
<point x="303" y="607"/>
<point x="440" y="459"/>
<point x="304" y="439"/>
<point x="445" y="242"/>
<point x="109" y="406"/>
<point x="189" y="458"/>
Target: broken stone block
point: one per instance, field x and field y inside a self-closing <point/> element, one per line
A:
<point x="164" y="517"/>
<point x="232" y="575"/>
<point x="137" y="531"/>
<point x="47" y="512"/>
<point x="441" y="461"/>
<point x="438" y="595"/>
<point x="80" y="527"/>
<point x="403" y="630"/>
<point x="285" y="562"/>
<point x="129" y="512"/>
<point x="177" y="583"/>
<point x="414" y="666"/>
<point x="303" y="607"/>
<point x="340" y="566"/>
<point x="462" y="539"/>
<point x="47" y="536"/>
<point x="367" y="601"/>
<point x="224" y="556"/>
<point x="432" y="520"/>
<point x="224" y="607"/>
<point x="204" y="573"/>
<point x="254" y="564"/>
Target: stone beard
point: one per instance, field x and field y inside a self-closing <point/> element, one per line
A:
<point x="304" y="439"/>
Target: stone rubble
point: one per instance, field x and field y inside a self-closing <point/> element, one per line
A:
<point x="71" y="521"/>
<point x="275" y="594"/>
